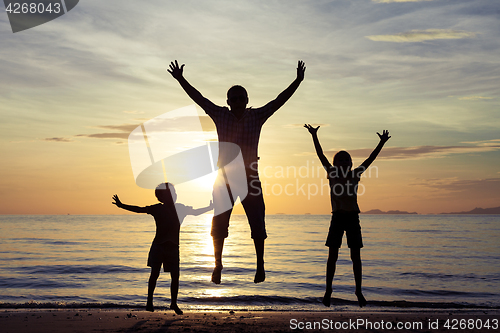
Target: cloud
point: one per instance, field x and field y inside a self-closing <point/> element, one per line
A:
<point x="488" y="187"/>
<point x="58" y="139"/>
<point x="183" y="124"/>
<point x="179" y="124"/>
<point x="485" y="142"/>
<point x="389" y="1"/>
<point x="122" y="128"/>
<point x="306" y="153"/>
<point x="451" y="191"/>
<point x="415" y="36"/>
<point x="421" y="152"/>
<point x="134" y="112"/>
<point x="302" y="125"/>
<point x="123" y="132"/>
<point x="106" y="135"/>
<point x="473" y="98"/>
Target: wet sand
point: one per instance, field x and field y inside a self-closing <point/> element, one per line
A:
<point x="100" y="320"/>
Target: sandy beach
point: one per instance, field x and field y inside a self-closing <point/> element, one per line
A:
<point x="98" y="320"/>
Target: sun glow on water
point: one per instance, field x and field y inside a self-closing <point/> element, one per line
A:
<point x="216" y="292"/>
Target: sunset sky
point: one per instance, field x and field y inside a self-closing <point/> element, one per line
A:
<point x="73" y="89"/>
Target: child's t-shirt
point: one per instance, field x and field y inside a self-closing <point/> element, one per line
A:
<point x="168" y="220"/>
<point x="344" y="189"/>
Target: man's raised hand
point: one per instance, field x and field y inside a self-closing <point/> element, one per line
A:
<point x="301" y="69"/>
<point x="384" y="136"/>
<point x="175" y="70"/>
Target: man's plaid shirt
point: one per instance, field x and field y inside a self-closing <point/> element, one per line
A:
<point x="244" y="132"/>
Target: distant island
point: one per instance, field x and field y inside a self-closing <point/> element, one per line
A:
<point x="495" y="210"/>
<point x="395" y="212"/>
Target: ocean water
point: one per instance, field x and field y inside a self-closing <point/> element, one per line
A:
<point x="421" y="261"/>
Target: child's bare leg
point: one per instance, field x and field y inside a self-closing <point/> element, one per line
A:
<point x="357" y="269"/>
<point x="260" y="274"/>
<point x="174" y="290"/>
<point x="218" y="247"/>
<point x="155" y="273"/>
<point x="331" y="265"/>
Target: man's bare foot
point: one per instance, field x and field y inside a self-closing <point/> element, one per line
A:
<point x="216" y="274"/>
<point x="176" y="309"/>
<point x="361" y="299"/>
<point x="327" y="298"/>
<point x="149" y="307"/>
<point x="260" y="275"/>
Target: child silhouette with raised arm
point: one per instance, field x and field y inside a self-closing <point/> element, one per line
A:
<point x="164" y="250"/>
<point x="345" y="211"/>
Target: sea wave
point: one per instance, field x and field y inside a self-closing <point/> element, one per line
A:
<point x="80" y="269"/>
<point x="255" y="302"/>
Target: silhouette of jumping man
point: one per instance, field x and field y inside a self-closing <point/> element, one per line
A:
<point x="239" y="125"/>
<point x="345" y="211"/>
<point x="164" y="250"/>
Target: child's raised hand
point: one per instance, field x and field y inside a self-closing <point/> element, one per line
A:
<point x="384" y="136"/>
<point x="117" y="201"/>
<point x="175" y="70"/>
<point x="311" y="129"/>
<point x="301" y="70"/>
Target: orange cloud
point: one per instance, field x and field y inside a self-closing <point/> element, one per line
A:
<point x="58" y="139"/>
<point x="420" y="152"/>
<point x="415" y="36"/>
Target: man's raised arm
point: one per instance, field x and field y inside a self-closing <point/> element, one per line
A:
<point x="288" y="92"/>
<point x="176" y="72"/>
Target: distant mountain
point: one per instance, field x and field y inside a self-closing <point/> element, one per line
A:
<point x="378" y="211"/>
<point x="495" y="210"/>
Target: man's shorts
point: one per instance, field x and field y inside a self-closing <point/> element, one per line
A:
<point x="348" y="222"/>
<point x="166" y="254"/>
<point x="254" y="207"/>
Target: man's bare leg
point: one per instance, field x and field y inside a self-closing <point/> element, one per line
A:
<point x="357" y="269"/>
<point x="218" y="246"/>
<point x="331" y="264"/>
<point x="260" y="274"/>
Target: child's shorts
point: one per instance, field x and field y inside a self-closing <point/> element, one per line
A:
<point x="165" y="254"/>
<point x="348" y="222"/>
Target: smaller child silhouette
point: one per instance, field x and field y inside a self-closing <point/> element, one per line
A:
<point x="164" y="250"/>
